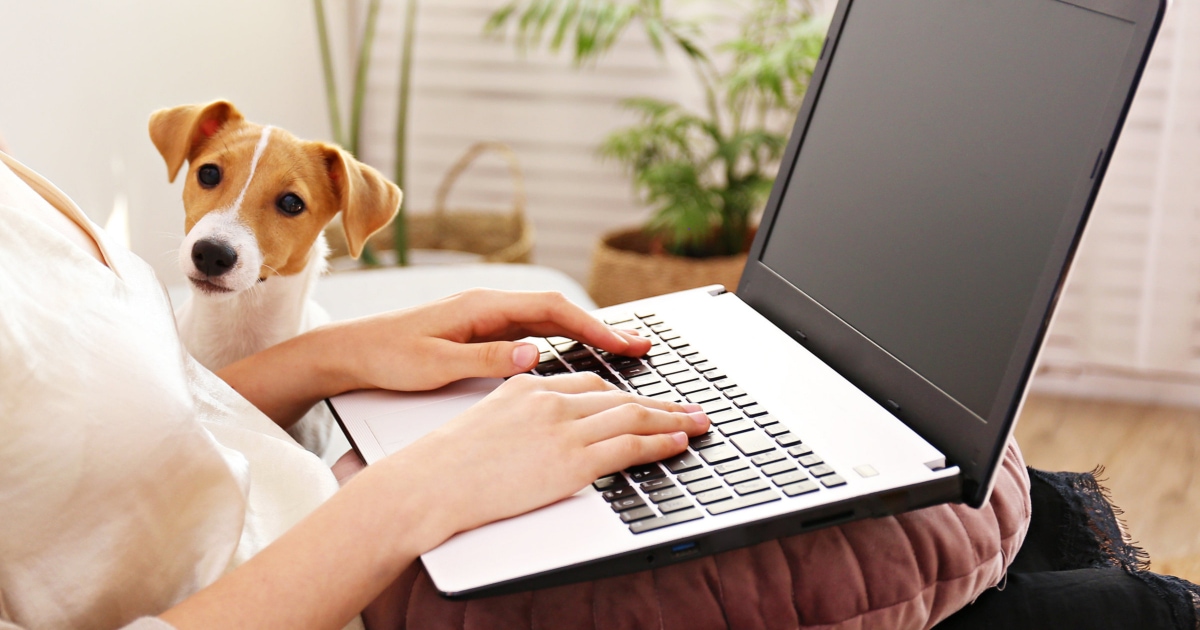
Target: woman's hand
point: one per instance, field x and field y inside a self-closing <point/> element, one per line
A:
<point x="421" y="348"/>
<point x="536" y="440"/>
<point x="469" y="334"/>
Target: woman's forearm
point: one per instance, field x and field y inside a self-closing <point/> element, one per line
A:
<point x="326" y="569"/>
<point x="286" y="380"/>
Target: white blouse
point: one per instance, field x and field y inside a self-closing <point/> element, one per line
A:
<point x="130" y="476"/>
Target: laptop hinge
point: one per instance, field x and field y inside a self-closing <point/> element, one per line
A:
<point x="936" y="464"/>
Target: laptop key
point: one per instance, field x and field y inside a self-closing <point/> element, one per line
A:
<point x="696" y="358"/>
<point x="616" y="494"/>
<point x="673" y="368"/>
<point x="800" y="450"/>
<point x="718" y="454"/>
<point x="810" y="460"/>
<point x="723" y="416"/>
<point x="740" y="477"/>
<point x="682" y="463"/>
<point x="735" y="392"/>
<point x="576" y="355"/>
<point x="719" y="377"/>
<point x="674" y="518"/>
<point x="754" y="411"/>
<point x="657" y="350"/>
<point x="692" y="387"/>
<point x="766" y="458"/>
<point x="803" y="487"/>
<point x="659" y="328"/>
<point x="674" y="505"/>
<point x="750" y="487"/>
<point x="693" y="476"/>
<point x="644" y="380"/>
<point x="820" y="470"/>
<point x="775" y="430"/>
<point x="610" y="482"/>
<point x="752" y="443"/>
<point x="733" y="428"/>
<point x="704" y="485"/>
<point x="682" y="377"/>
<point x="631" y="371"/>
<point x="713" y="496"/>
<point x="620" y="318"/>
<point x="713" y="406"/>
<point x="676" y="344"/>
<point x="662" y="359"/>
<point x="704" y="441"/>
<point x="730" y="467"/>
<point x="665" y="494"/>
<point x="702" y="396"/>
<point x="654" y="389"/>
<point x="686" y="351"/>
<point x="657" y="484"/>
<point x="789" y="478"/>
<point x="645" y="472"/>
<point x="638" y="514"/>
<point x="766" y="421"/>
<point x="629" y="503"/>
<point x="787" y="439"/>
<point x="775" y="468"/>
<point x="758" y="498"/>
<point x="741" y="401"/>
<point x="833" y="481"/>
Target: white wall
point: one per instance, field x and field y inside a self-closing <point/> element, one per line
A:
<point x="78" y="80"/>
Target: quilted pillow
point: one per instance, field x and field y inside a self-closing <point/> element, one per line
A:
<point x="905" y="571"/>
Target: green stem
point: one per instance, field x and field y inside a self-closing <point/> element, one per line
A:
<point x="400" y="225"/>
<point x="331" y="98"/>
<point x="360" y="77"/>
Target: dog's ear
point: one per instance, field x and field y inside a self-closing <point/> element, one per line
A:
<point x="178" y="131"/>
<point x="367" y="200"/>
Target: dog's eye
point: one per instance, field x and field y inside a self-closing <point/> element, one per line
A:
<point x="209" y="175"/>
<point x="290" y="204"/>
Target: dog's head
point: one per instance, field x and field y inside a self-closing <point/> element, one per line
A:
<point x="256" y="198"/>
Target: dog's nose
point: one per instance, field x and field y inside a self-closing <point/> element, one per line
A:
<point x="212" y="258"/>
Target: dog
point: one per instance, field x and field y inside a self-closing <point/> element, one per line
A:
<point x="256" y="203"/>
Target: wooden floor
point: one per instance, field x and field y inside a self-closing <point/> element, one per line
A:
<point x="1151" y="457"/>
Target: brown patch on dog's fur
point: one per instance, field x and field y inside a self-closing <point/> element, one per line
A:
<point x="326" y="178"/>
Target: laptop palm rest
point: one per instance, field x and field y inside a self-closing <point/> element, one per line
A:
<point x="394" y="420"/>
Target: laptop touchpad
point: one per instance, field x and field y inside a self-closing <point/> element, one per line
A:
<point x="411" y="416"/>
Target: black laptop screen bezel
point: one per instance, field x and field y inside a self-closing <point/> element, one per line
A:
<point x="975" y="444"/>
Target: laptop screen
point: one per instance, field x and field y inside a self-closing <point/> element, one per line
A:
<point x="936" y="172"/>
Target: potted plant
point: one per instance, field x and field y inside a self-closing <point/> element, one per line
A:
<point x="350" y="137"/>
<point x="706" y="174"/>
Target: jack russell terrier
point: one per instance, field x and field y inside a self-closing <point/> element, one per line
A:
<point x="256" y="202"/>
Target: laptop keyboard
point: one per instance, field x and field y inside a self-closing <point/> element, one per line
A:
<point x="747" y="458"/>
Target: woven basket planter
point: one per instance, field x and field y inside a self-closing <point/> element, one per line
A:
<point x="623" y="270"/>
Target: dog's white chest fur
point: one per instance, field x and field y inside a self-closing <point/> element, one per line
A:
<point x="222" y="329"/>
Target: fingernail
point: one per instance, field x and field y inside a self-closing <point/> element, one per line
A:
<point x="680" y="438"/>
<point x="524" y="356"/>
<point x="691" y="407"/>
<point x="700" y="418"/>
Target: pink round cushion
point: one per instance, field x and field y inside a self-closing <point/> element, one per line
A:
<point x="905" y="571"/>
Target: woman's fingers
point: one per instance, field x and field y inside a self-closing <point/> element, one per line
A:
<point x="627" y="450"/>
<point x="548" y="314"/>
<point x="634" y="419"/>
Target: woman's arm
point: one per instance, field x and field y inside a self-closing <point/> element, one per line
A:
<point x="465" y="335"/>
<point x="561" y="432"/>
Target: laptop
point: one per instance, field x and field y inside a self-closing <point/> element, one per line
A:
<point x="876" y="353"/>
